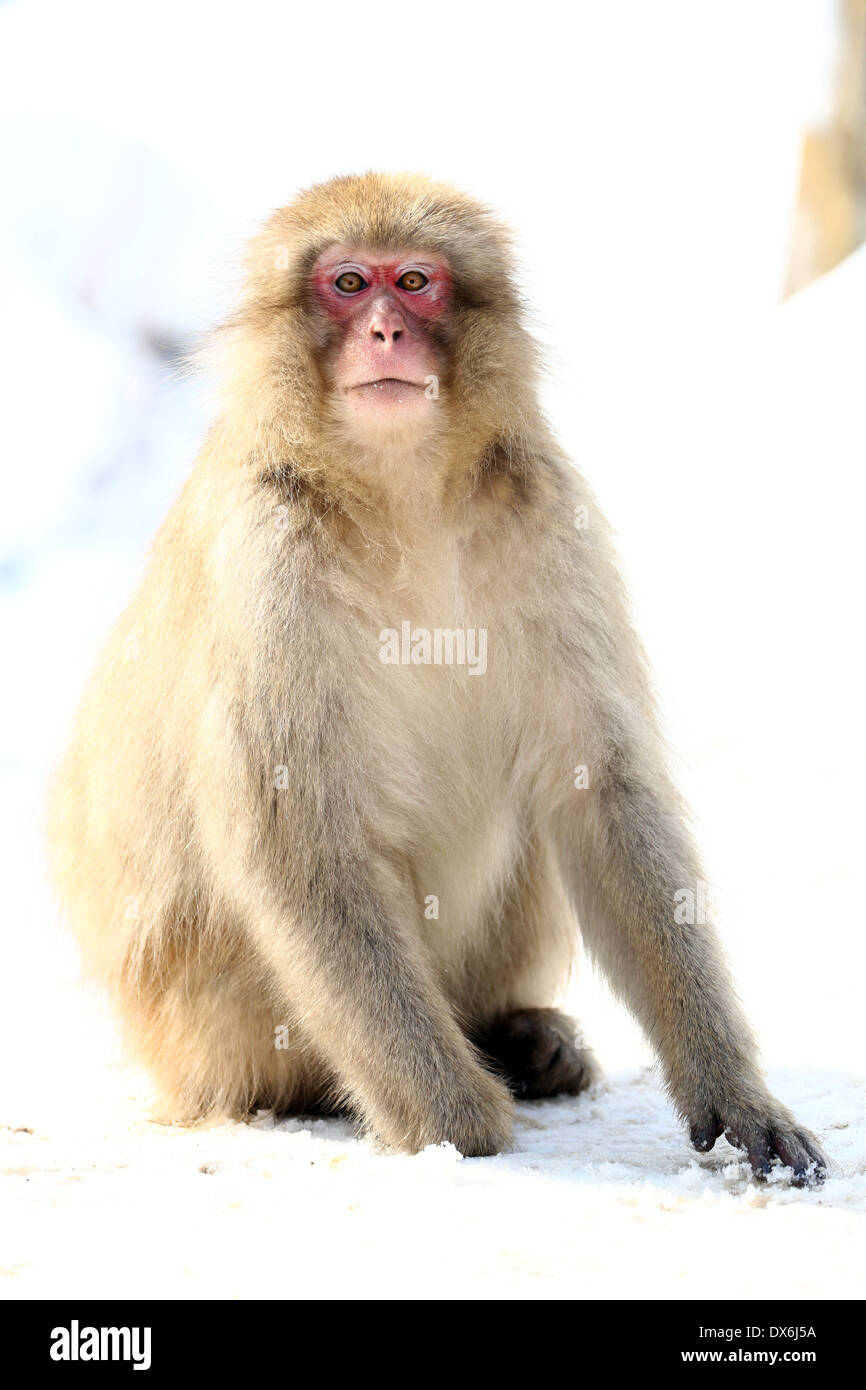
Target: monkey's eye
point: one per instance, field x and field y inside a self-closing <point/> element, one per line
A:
<point x="350" y="282"/>
<point x="412" y="280"/>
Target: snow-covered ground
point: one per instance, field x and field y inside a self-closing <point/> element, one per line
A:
<point x="734" y="475"/>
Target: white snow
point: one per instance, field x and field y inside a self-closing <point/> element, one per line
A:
<point x="734" y="477"/>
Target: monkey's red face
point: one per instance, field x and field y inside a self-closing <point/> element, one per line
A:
<point x="390" y="311"/>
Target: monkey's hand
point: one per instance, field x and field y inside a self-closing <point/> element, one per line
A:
<point x="765" y="1132"/>
<point x="474" y="1112"/>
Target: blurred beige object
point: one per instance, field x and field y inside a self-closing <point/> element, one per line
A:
<point x="830" y="219"/>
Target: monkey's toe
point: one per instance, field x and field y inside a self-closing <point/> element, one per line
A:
<point x="538" y="1053"/>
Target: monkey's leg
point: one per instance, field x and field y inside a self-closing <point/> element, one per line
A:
<point x="538" y="1052"/>
<point x="627" y="855"/>
<point x="525" y="959"/>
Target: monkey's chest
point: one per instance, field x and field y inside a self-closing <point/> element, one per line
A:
<point x="446" y="784"/>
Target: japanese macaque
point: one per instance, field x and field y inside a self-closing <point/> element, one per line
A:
<point x="323" y="855"/>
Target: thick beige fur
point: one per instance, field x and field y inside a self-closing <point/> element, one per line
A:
<point x="255" y="810"/>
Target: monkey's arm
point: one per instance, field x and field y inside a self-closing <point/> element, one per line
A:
<point x="366" y="1001"/>
<point x="627" y="858"/>
<point x="299" y="855"/>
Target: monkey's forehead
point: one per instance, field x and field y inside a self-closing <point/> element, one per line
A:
<point x="340" y="253"/>
<point x="381" y="212"/>
<point x="384" y="211"/>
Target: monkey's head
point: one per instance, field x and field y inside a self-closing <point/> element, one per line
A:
<point x="380" y="311"/>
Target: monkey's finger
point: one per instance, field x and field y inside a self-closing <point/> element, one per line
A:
<point x="819" y="1158"/>
<point x="704" y="1136"/>
<point x="804" y="1158"/>
<point x="757" y="1146"/>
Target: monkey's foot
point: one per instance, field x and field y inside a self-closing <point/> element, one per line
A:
<point x="765" y="1139"/>
<point x="538" y="1053"/>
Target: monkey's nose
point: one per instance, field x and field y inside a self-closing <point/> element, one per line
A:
<point x="387" y="323"/>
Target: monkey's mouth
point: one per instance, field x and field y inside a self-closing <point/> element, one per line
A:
<point x="391" y="387"/>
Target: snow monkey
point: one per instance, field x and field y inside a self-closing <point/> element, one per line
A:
<point x="321" y="853"/>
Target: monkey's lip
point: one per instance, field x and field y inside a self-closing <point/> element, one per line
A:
<point x="388" y="385"/>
